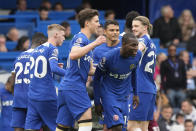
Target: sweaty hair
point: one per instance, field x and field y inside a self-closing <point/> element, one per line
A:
<point x="129" y="18"/>
<point x="128" y="36"/>
<point x="38" y="39"/>
<point x="145" y="21"/>
<point x="86" y="15"/>
<point x="110" y="22"/>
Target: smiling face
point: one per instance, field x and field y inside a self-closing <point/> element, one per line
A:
<point x="138" y="29"/>
<point x="112" y="32"/>
<point x="130" y="47"/>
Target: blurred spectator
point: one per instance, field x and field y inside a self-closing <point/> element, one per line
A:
<point x="157" y="76"/>
<point x="129" y="18"/>
<point x="47" y="4"/>
<point x="77" y="10"/>
<point x="3" y="43"/>
<point x="191" y="46"/>
<point x="86" y="4"/>
<point x="179" y="123"/>
<point x="188" y="110"/>
<point x="13" y="34"/>
<point x="6" y="101"/>
<point x="23" y="44"/>
<point x="187" y="25"/>
<point x="68" y="35"/>
<point x="43" y="13"/>
<point x="100" y="31"/>
<point x="189" y="126"/>
<point x="58" y="6"/>
<point x="184" y="55"/>
<point x="165" y="122"/>
<point x="173" y="78"/>
<point x="166" y="28"/>
<point x="109" y="15"/>
<point x="21" y="6"/>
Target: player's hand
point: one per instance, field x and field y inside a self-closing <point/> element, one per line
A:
<point x="135" y="102"/>
<point x="99" y="110"/>
<point x="60" y="65"/>
<point x="101" y="39"/>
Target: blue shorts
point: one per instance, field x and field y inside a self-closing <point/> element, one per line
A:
<point x="115" y="112"/>
<point x="41" y="113"/>
<point x="71" y="105"/>
<point x="145" y="109"/>
<point x="18" y="117"/>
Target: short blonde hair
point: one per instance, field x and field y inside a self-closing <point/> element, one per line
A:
<point x="56" y="27"/>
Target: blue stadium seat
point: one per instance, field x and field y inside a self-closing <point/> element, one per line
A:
<point x="42" y="26"/>
<point x="7" y="60"/>
<point x="11" y="45"/>
<point x="101" y="14"/>
<point x="55" y="15"/>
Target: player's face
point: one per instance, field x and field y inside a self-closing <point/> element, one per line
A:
<point x="112" y="32"/>
<point x="60" y="37"/>
<point x="94" y="24"/>
<point x="138" y="29"/>
<point x="130" y="48"/>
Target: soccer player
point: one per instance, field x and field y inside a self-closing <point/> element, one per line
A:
<point x="140" y="117"/>
<point x="6" y="102"/>
<point x="22" y="80"/>
<point x="73" y="101"/>
<point x="42" y="99"/>
<point x="111" y="31"/>
<point x="118" y="72"/>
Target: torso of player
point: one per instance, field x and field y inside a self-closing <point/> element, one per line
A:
<point x="77" y="70"/>
<point x="42" y="86"/>
<point x="147" y="66"/>
<point x="117" y="80"/>
<point x="22" y="79"/>
<point x="101" y="50"/>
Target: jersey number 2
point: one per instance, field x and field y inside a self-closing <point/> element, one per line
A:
<point x="147" y="67"/>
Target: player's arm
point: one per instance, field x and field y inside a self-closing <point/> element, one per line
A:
<point x="55" y="68"/>
<point x="92" y="69"/>
<point x="13" y="75"/>
<point x="53" y="60"/>
<point x="78" y="51"/>
<point x="99" y="72"/>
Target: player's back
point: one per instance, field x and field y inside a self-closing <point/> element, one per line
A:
<point x="99" y="51"/>
<point x="42" y="87"/>
<point x="22" y="66"/>
<point x="147" y="66"/>
<point x="77" y="70"/>
<point x="117" y="80"/>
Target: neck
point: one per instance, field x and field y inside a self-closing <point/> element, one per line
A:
<point x="86" y="32"/>
<point x="112" y="43"/>
<point x="52" y="41"/>
<point x="166" y="19"/>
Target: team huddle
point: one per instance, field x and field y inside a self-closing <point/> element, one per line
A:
<point x="121" y="66"/>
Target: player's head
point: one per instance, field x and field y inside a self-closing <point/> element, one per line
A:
<point x="129" y="18"/>
<point x="38" y="39"/>
<point x="129" y="45"/>
<point x="89" y="19"/>
<point x="56" y="33"/>
<point x="111" y="30"/>
<point x="141" y="26"/>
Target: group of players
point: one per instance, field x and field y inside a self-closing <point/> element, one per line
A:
<point x="122" y="70"/>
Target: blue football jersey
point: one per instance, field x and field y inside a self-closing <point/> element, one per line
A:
<point x="77" y="70"/>
<point x="41" y="87"/>
<point x="22" y="66"/>
<point x="99" y="51"/>
<point x="147" y="65"/>
<point x="117" y="73"/>
<point x="6" y="102"/>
